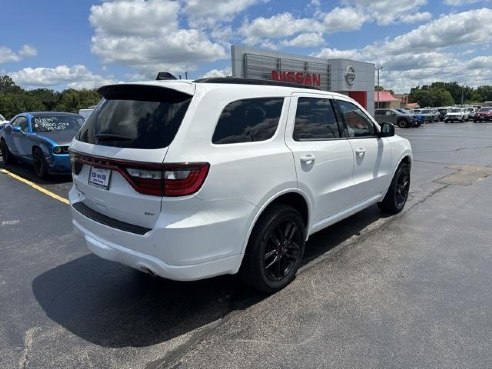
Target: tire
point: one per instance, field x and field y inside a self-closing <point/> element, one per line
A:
<point x="7" y="156"/>
<point x="402" y="123"/>
<point x="39" y="162"/>
<point x="397" y="194"/>
<point x="275" y="249"/>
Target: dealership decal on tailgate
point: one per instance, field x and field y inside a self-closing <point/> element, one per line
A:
<point x="100" y="177"/>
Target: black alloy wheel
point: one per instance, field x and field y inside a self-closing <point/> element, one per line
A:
<point x="402" y="123"/>
<point x="281" y="250"/>
<point x="40" y="164"/>
<point x="397" y="194"/>
<point x="275" y="249"/>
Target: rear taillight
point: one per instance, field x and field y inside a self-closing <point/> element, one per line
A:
<point x="75" y="163"/>
<point x="179" y="179"/>
<point x="184" y="179"/>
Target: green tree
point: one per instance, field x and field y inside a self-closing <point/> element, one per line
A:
<point x="434" y="95"/>
<point x="8" y="85"/>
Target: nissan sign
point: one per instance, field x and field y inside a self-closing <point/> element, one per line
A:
<point x="350" y="75"/>
<point x="302" y="78"/>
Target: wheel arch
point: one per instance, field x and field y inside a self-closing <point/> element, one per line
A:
<point x="407" y="159"/>
<point x="292" y="197"/>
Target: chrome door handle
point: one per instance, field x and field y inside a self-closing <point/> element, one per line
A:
<point x="308" y="159"/>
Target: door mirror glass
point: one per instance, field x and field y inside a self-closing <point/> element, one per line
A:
<point x="16" y="129"/>
<point x="387" y="130"/>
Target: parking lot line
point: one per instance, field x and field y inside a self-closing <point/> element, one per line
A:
<point x="35" y="186"/>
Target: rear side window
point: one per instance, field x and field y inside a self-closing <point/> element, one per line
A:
<point x="140" y="117"/>
<point x="315" y="120"/>
<point x="248" y="120"/>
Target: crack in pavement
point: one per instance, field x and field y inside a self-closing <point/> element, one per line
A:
<point x="28" y="342"/>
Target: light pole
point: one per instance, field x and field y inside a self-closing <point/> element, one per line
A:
<point x="378" y="69"/>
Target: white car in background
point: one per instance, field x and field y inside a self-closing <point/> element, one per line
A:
<point x="87" y="111"/>
<point x="194" y="179"/>
<point x="456" y="114"/>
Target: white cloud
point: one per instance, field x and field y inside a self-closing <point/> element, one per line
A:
<point x="27" y="51"/>
<point x="135" y="18"/>
<point x="386" y="11"/>
<point x="429" y="52"/>
<point x="480" y="62"/>
<point x="459" y="2"/>
<point x="145" y="35"/>
<point x="277" y="26"/>
<point x="213" y="11"/>
<point x="77" y="76"/>
<point x="343" y="19"/>
<point x="416" y="18"/>
<point x="9" y="56"/>
<point x="305" y="40"/>
<point x="466" y="28"/>
<point x="218" y="73"/>
<point x="328" y="53"/>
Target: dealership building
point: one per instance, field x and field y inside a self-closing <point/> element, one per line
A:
<point x="348" y="77"/>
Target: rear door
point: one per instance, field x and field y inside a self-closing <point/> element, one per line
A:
<point x="372" y="155"/>
<point x="323" y="158"/>
<point x="118" y="153"/>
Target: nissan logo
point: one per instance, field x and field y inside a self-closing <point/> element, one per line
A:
<point x="350" y="75"/>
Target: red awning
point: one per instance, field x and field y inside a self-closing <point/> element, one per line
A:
<point x="384" y="96"/>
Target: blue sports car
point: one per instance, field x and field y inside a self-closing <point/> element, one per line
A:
<point x="41" y="139"/>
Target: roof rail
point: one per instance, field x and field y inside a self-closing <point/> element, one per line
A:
<point x="252" y="81"/>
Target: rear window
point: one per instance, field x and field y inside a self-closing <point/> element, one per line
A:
<point x="248" y="120"/>
<point x="140" y="117"/>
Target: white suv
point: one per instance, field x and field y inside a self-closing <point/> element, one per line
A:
<point x="193" y="179"/>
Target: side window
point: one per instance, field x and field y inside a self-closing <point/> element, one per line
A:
<point x="21" y="122"/>
<point x="248" y="120"/>
<point x="357" y="122"/>
<point x="315" y="120"/>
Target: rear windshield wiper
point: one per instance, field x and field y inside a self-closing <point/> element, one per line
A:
<point x="112" y="137"/>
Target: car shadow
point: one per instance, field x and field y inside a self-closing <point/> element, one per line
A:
<point x="112" y="305"/>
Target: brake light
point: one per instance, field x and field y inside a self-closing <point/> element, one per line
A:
<point x="171" y="180"/>
<point x="185" y="179"/>
<point x="179" y="179"/>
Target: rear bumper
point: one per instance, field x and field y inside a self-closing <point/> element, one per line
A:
<point x="198" y="246"/>
<point x="148" y="263"/>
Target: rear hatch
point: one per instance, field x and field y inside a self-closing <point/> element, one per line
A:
<point x="117" y="156"/>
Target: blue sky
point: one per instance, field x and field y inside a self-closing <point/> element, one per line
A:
<point x="83" y="44"/>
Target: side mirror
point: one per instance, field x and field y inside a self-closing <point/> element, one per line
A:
<point x="16" y="129"/>
<point x="387" y="130"/>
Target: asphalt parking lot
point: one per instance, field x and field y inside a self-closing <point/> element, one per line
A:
<point x="409" y="291"/>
